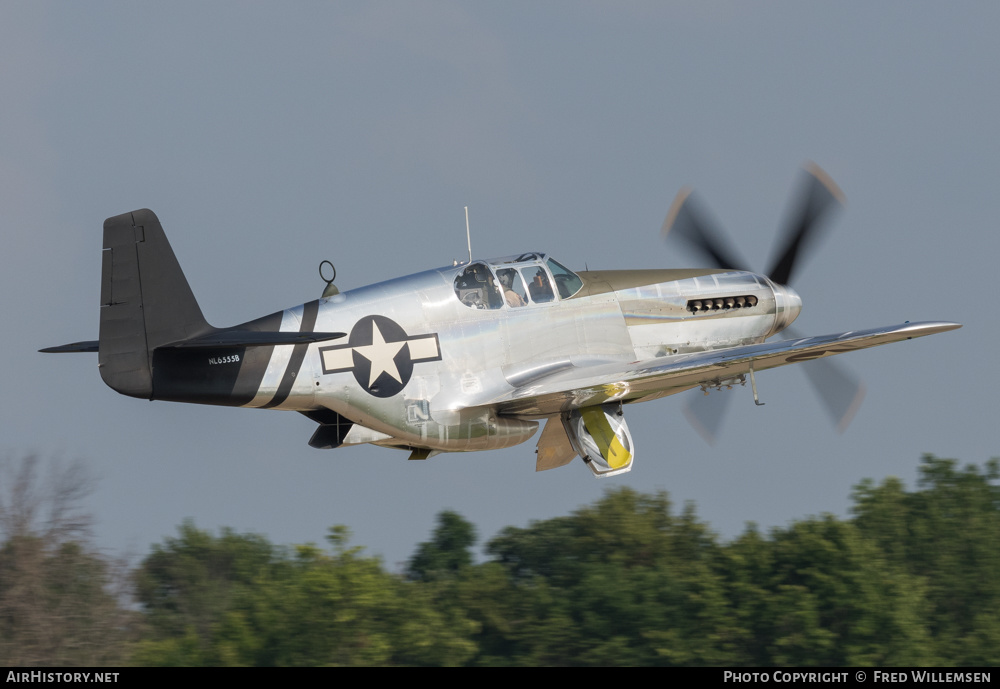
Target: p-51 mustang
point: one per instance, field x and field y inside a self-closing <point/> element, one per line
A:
<point x="475" y="355"/>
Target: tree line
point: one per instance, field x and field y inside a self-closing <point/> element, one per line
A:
<point x="912" y="577"/>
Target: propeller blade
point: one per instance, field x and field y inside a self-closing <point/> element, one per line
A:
<point x="818" y="195"/>
<point x="705" y="412"/>
<point x="840" y="390"/>
<point x="688" y="221"/>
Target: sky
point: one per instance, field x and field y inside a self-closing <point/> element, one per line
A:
<point x="270" y="136"/>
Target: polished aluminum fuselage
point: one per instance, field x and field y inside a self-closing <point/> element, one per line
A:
<point x="617" y="316"/>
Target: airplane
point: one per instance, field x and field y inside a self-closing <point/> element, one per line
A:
<point x="476" y="355"/>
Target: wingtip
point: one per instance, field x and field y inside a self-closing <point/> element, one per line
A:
<point x="922" y="328"/>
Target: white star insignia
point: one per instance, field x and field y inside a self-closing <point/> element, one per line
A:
<point x="381" y="354"/>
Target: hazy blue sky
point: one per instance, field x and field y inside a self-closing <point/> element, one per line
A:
<point x="268" y="136"/>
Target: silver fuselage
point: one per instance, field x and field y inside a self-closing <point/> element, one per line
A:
<point x="481" y="354"/>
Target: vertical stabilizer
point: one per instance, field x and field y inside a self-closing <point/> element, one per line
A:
<point x="146" y="301"/>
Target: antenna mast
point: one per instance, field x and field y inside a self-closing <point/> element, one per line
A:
<point x="468" y="237"/>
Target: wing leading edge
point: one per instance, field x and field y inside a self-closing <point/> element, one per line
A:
<point x="644" y="380"/>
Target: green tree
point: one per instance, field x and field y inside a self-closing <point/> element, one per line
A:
<point x="831" y="597"/>
<point x="913" y="578"/>
<point x="447" y="553"/>
<point x="237" y="600"/>
<point x="194" y="583"/>
<point x="946" y="533"/>
<point x="623" y="582"/>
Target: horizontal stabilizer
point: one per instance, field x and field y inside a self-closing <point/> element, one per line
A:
<point x="85" y="346"/>
<point x="222" y="338"/>
<point x="252" y="338"/>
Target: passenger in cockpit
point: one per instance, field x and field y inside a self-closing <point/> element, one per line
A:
<point x="507" y="277"/>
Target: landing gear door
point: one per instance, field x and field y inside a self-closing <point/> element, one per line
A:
<point x="601" y="437"/>
<point x="554" y="448"/>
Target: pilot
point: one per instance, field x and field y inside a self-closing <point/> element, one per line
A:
<point x="493" y="300"/>
<point x="539" y="287"/>
<point x="512" y="297"/>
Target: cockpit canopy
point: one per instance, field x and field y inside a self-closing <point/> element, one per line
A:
<point x="515" y="281"/>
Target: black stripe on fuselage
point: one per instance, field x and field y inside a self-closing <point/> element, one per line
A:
<point x="226" y="376"/>
<point x="255" y="364"/>
<point x="309" y="312"/>
<point x="202" y="376"/>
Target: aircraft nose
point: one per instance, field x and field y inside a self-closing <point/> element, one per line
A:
<point x="787" y="306"/>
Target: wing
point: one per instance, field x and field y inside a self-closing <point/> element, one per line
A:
<point x="645" y="380"/>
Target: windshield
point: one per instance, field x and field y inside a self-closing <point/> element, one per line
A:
<point x="567" y="282"/>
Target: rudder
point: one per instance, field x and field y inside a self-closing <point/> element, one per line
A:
<point x="146" y="301"/>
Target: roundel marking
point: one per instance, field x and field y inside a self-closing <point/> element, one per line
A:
<point x="380" y="355"/>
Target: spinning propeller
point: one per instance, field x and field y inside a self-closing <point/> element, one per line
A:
<point x="812" y="205"/>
